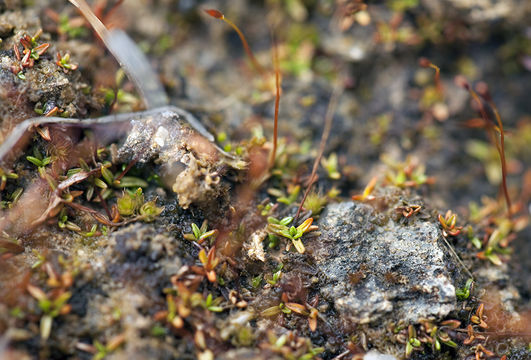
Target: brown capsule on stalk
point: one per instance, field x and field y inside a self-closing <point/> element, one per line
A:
<point x="215" y="13"/>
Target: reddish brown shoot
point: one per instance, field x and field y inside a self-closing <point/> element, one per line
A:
<point x="484" y="92"/>
<point x="338" y="89"/>
<point x="126" y="170"/>
<point x="499" y="142"/>
<point x="99" y="10"/>
<point x="219" y="15"/>
<point x="277" y="105"/>
<point x="104" y="203"/>
<point x="424" y="62"/>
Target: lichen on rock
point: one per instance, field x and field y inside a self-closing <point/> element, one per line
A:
<point x="375" y="272"/>
<point x="190" y="164"/>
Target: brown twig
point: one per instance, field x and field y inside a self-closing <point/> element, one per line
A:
<point x="336" y="93"/>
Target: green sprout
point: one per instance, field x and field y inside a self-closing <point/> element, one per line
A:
<point x="280" y="228"/>
<point x="200" y="234"/>
<point x="312" y="353"/>
<point x="448" y="224"/>
<point x="256" y="281"/>
<point x="132" y="203"/>
<point x="41" y="259"/>
<point x="497" y="243"/>
<point x="464" y="293"/>
<point x="293" y="193"/>
<point x="474" y="240"/>
<point x="149" y="211"/>
<point x="4" y="176"/>
<point x="437" y="336"/>
<point x="101" y="350"/>
<point x="273" y="280"/>
<point x="70" y="28"/>
<point x="158" y="330"/>
<point x="63" y="61"/>
<point x="412" y="341"/>
<point x="92" y="232"/>
<point x="51" y="306"/>
<point x="212" y="304"/>
<point x="406" y="174"/>
<point x="331" y="165"/>
<point x="11" y="199"/>
<point x="266" y="209"/>
<point x="39" y="161"/>
<point x="129" y="203"/>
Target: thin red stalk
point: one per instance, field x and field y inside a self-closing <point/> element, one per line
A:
<point x="246" y="47"/>
<point x="500" y="143"/>
<point x="424" y="62"/>
<point x="501" y="151"/>
<point x="105" y="207"/>
<point x="112" y="10"/>
<point x="338" y="89"/>
<point x="219" y="15"/>
<point x="437" y="78"/>
<point x="277" y="105"/>
<point x="126" y="170"/>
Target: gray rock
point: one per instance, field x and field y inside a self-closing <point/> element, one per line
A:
<point x="375" y="269"/>
<point x="375" y="355"/>
<point x="481" y="11"/>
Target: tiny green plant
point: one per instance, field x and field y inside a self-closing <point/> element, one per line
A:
<point x="281" y="228"/>
<point x="200" y="234"/>
<point x="39" y="161"/>
<point x="51" y="307"/>
<point x="330" y="164"/>
<point x="149" y="211"/>
<point x="256" y="281"/>
<point x="129" y="203"/>
<point x="464" y="292"/>
<point x="101" y="350"/>
<point x="406" y="174"/>
<point x="293" y="193"/>
<point x="133" y="204"/>
<point x="273" y="279"/>
<point x="448" y="223"/>
<point x="413" y="343"/>
<point x="31" y="53"/>
<point x="4" y="176"/>
<point x="438" y="335"/>
<point x="209" y="260"/>
<point x="497" y="243"/>
<point x="212" y="304"/>
<point x="63" y="61"/>
<point x="474" y="240"/>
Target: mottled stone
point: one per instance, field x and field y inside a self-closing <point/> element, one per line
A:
<point x="375" y="269"/>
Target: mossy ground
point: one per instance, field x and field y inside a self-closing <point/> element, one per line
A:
<point x="143" y="290"/>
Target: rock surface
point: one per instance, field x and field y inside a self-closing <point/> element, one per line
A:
<point x="377" y="269"/>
